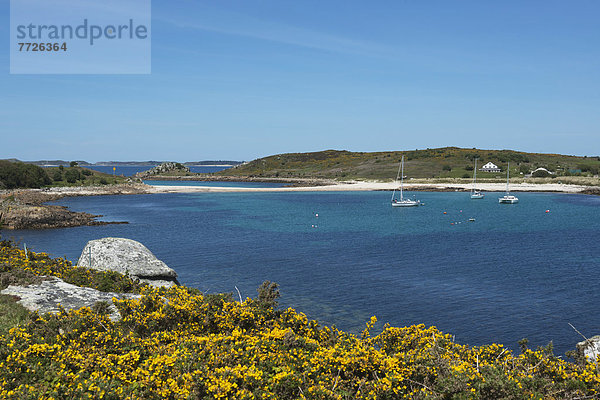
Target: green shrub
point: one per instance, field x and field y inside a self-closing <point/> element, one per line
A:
<point x="72" y="175"/>
<point x="268" y="293"/>
<point x="20" y="175"/>
<point x="57" y="176"/>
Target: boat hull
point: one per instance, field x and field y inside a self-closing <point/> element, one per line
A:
<point x="406" y="203"/>
<point x="508" y="200"/>
<point x="477" y="196"/>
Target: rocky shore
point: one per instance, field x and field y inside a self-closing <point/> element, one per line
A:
<point x="591" y="190"/>
<point x="25" y="208"/>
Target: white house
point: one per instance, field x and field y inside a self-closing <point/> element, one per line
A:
<point x="490" y="167"/>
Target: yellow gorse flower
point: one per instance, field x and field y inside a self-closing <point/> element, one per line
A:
<point x="178" y="344"/>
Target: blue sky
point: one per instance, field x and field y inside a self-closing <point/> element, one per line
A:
<point x="246" y="79"/>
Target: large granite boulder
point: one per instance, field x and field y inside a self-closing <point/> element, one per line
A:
<point x="589" y="348"/>
<point x="49" y="294"/>
<point x="127" y="256"/>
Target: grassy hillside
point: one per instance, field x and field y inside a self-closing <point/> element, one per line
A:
<point x="180" y="344"/>
<point x="448" y="162"/>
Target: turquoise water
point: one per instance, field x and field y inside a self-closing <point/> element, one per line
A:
<point x="516" y="271"/>
<point x="217" y="184"/>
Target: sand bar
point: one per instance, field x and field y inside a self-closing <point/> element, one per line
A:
<point x="371" y="186"/>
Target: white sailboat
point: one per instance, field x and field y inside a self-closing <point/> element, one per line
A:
<point x="508" y="198"/>
<point x="475" y="193"/>
<point x="402" y="202"/>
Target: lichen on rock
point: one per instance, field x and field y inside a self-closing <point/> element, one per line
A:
<point x="50" y="295"/>
<point x="127" y="257"/>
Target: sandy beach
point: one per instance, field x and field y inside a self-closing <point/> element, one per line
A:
<point x="372" y="186"/>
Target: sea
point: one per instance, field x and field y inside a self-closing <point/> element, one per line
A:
<point x="481" y="271"/>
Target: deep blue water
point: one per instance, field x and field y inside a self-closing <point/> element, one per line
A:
<point x="217" y="184"/>
<point x="515" y="272"/>
<point x="129" y="170"/>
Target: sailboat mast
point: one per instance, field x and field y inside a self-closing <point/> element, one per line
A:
<point x="396" y="183"/>
<point x="507" y="176"/>
<point x="402" y="179"/>
<point x="474" y="176"/>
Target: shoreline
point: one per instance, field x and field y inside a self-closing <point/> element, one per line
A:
<point x="385" y="186"/>
<point x="27" y="208"/>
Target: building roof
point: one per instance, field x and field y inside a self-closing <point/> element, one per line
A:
<point x="490" y="165"/>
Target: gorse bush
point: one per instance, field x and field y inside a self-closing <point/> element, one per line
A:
<point x="179" y="344"/>
<point x="14" y="261"/>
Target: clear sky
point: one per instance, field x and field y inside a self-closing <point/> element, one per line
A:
<point x="250" y="78"/>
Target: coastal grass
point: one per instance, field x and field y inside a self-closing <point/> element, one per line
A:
<point x="11" y="313"/>
<point x="178" y="343"/>
<point x="564" y="180"/>
<point x="441" y="163"/>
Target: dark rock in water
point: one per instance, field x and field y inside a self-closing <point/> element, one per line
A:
<point x="127" y="256"/>
<point x="49" y="294"/>
<point x="589" y="348"/>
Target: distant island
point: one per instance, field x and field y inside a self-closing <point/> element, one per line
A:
<point x="149" y="163"/>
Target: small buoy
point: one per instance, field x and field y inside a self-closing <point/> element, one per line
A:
<point x="547" y="211"/>
<point x="445" y="212"/>
<point x="460" y="210"/>
<point x="451" y="223"/>
<point x="317" y="215"/>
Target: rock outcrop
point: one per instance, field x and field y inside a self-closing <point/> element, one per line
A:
<point x="164" y="168"/>
<point x="24" y="208"/>
<point x="127" y="256"/>
<point x="589" y="348"/>
<point x="15" y="215"/>
<point x="49" y="294"/>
